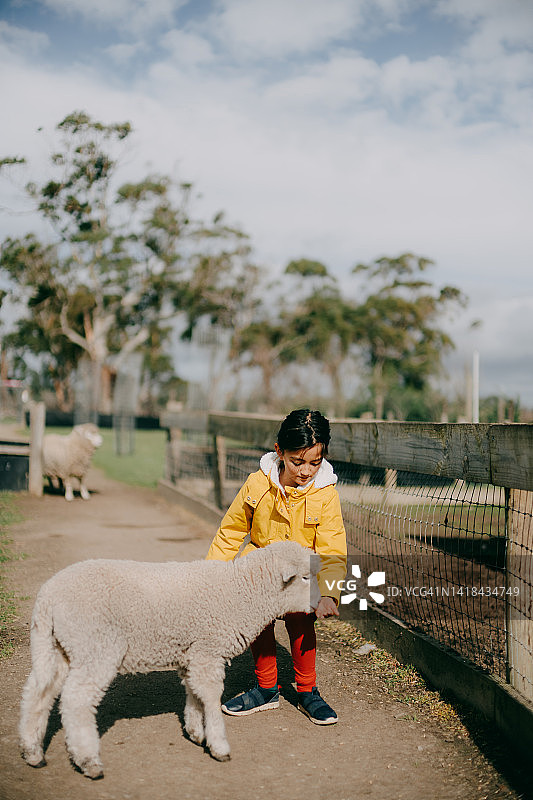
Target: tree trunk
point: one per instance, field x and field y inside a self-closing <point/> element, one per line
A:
<point x="379" y="390"/>
<point x="267" y="369"/>
<point x="107" y="375"/>
<point x="95" y="391"/>
<point x="338" y="402"/>
<point x="63" y="395"/>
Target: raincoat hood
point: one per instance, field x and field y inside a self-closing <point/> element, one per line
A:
<point x="264" y="512"/>
<point x="270" y="464"/>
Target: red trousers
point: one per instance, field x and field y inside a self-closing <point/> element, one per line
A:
<point x="301" y="630"/>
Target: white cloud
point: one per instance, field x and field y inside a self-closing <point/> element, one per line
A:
<point x="280" y="28"/>
<point x="509" y="335"/>
<point x="403" y="80"/>
<point x="332" y="155"/>
<point x="15" y="40"/>
<point x="315" y="161"/>
<point x="129" y="15"/>
<point x="503" y="343"/>
<point x="394" y="10"/>
<point x="187" y="48"/>
<point x="124" y="53"/>
<point x="495" y="65"/>
<point x="341" y="84"/>
<point x="494" y="24"/>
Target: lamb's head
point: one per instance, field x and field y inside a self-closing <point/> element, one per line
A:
<point x="297" y="568"/>
<point x="89" y="433"/>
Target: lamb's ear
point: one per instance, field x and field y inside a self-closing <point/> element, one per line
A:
<point x="288" y="574"/>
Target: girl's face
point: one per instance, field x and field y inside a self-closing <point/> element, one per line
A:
<point x="299" y="466"/>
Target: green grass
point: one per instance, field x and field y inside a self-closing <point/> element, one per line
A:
<point x="8" y="514"/>
<point x="144" y="467"/>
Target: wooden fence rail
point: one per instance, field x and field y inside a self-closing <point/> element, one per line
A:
<point x="500" y="455"/>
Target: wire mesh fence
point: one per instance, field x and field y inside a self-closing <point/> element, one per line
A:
<point x="442" y="548"/>
<point x="455" y="557"/>
<point x="190" y="459"/>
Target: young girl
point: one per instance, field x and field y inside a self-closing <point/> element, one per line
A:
<point x="292" y="496"/>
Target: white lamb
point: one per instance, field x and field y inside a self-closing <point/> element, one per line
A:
<point x="68" y="457"/>
<point x="98" y="618"/>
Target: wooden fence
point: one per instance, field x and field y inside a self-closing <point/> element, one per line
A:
<point x="21" y="457"/>
<point x="492" y="455"/>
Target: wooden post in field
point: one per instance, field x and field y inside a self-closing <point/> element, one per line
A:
<point x="219" y="468"/>
<point x="35" y="480"/>
<point x="519" y="606"/>
<point x="174" y="437"/>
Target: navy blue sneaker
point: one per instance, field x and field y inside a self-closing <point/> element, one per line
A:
<point x="256" y="699"/>
<point x="316" y="708"/>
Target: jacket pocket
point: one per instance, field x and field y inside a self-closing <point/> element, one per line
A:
<point x="313" y="512"/>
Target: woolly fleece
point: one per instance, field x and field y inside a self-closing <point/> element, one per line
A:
<point x="97" y="618"/>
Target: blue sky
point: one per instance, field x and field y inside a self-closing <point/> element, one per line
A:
<point x="340" y="130"/>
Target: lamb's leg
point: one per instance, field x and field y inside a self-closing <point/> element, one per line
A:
<point x="205" y="679"/>
<point x="69" y="491"/>
<point x="194" y="716"/>
<point x="85" y="495"/>
<point x="38" y="698"/>
<point x="84" y="688"/>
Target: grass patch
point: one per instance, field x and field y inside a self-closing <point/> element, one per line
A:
<point x="144" y="467"/>
<point x="8" y="515"/>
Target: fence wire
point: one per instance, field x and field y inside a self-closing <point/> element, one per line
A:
<point x="442" y="548"/>
<point x="452" y="569"/>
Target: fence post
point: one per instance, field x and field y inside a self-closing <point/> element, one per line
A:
<point x="35" y="477"/>
<point x="219" y="468"/>
<point x="174" y="437"/>
<point x="519" y="572"/>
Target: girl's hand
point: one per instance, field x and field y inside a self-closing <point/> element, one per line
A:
<point x="327" y="607"/>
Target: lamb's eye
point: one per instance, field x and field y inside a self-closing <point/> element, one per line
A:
<point x="305" y="578"/>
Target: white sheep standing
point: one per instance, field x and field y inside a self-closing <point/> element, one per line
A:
<point x="68" y="457"/>
<point x="98" y="618"/>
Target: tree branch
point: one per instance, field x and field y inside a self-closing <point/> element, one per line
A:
<point x="70" y="333"/>
<point x="131" y="345"/>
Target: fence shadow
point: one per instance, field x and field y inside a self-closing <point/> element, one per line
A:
<point x="497" y="750"/>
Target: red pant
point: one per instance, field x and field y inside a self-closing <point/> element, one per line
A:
<point x="301" y="630"/>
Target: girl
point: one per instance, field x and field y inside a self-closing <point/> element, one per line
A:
<point x="291" y="496"/>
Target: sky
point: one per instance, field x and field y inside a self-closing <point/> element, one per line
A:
<point x="337" y="130"/>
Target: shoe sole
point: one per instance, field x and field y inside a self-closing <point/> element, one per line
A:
<point x="264" y="707"/>
<point x="330" y="721"/>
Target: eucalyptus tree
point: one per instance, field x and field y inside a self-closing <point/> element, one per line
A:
<point x="265" y="338"/>
<point x="122" y="257"/>
<point x="398" y="321"/>
<point x="309" y="323"/>
<point x="38" y="332"/>
<point x="327" y="328"/>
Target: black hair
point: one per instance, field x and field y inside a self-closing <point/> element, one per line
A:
<point x="302" y="429"/>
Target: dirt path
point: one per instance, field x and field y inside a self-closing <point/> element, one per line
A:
<point x="377" y="750"/>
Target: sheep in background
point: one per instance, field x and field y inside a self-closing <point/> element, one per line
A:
<point x="68" y="457"/>
<point x="98" y="618"/>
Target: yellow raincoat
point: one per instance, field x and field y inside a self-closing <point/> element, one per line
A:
<point x="310" y="515"/>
